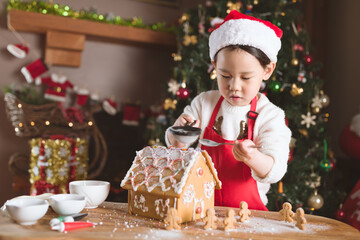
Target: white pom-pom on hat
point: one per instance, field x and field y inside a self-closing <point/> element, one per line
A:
<point x="241" y="29"/>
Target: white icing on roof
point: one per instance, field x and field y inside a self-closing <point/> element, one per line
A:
<point x="153" y="166"/>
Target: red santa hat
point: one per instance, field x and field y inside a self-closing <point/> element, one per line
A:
<point x="18" y="50"/>
<point x="241" y="29"/>
<point x="109" y="106"/>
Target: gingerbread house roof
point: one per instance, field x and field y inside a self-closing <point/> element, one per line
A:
<point x="164" y="170"/>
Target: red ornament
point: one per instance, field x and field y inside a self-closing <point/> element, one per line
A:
<point x="183" y="93"/>
<point x="332" y="164"/>
<point x="198" y="210"/>
<point x="340" y="215"/>
<point x="298" y="47"/>
<point x="200" y="172"/>
<point x="308" y="59"/>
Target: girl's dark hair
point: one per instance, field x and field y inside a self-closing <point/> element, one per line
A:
<point x="260" y="55"/>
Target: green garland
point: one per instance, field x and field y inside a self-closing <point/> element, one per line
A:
<point x="52" y="8"/>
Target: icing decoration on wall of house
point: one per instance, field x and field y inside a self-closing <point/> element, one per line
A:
<point x="189" y="194"/>
<point x="140" y="202"/>
<point x="160" y="205"/>
<point x="209" y="189"/>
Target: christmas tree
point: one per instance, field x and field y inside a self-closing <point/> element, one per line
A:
<point x="295" y="86"/>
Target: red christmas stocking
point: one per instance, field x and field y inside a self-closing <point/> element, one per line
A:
<point x="131" y="115"/>
<point x="34" y="70"/>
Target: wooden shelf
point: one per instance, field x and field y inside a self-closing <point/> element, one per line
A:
<point x="40" y="23"/>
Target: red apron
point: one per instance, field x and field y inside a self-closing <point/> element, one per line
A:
<point x="237" y="183"/>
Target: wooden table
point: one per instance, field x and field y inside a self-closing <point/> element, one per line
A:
<point x="114" y="222"/>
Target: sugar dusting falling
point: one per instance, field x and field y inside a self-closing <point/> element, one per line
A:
<point x="262" y="225"/>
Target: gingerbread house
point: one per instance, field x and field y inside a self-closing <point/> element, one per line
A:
<point x="161" y="177"/>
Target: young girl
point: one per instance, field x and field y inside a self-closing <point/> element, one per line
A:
<point x="243" y="50"/>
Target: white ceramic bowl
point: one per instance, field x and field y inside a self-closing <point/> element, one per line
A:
<point x="26" y="211"/>
<point x="67" y="204"/>
<point x="94" y="191"/>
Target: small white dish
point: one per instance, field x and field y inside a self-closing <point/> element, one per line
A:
<point x="26" y="211"/>
<point x="67" y="204"/>
<point x="94" y="191"/>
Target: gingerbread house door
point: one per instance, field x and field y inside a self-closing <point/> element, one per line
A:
<point x="199" y="211"/>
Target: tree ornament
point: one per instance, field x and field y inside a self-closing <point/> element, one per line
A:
<point x="340" y="214"/>
<point x="233" y="6"/>
<point x="184" y="18"/>
<point x="332" y="160"/>
<point x="298" y="47"/>
<point x="177" y="57"/>
<point x="294" y="61"/>
<point x="316" y="102"/>
<point x="315" y="180"/>
<point x="325" y="164"/>
<point x="183" y="93"/>
<point x="325" y="117"/>
<point x="186" y="28"/>
<point x="249" y="7"/>
<point x="170" y="103"/>
<point x="295" y="90"/>
<point x="308" y="120"/>
<point x="274" y="86"/>
<point x="315" y="200"/>
<point x="303" y="132"/>
<point x="157" y="142"/>
<point x="173" y="86"/>
<point x="276" y="22"/>
<point x="301" y="77"/>
<point x="316" y="110"/>
<point x="190" y="40"/>
<point x="332" y="165"/>
<point x="308" y="59"/>
<point x="209" y="3"/>
<point x="325" y="100"/>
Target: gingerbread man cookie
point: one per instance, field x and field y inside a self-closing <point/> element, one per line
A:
<point x="286" y="213"/>
<point x="244" y="212"/>
<point x="300" y="218"/>
<point x="210" y="219"/>
<point x="172" y="220"/>
<point x="230" y="220"/>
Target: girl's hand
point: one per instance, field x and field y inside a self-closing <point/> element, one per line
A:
<point x="243" y="151"/>
<point x="186" y="119"/>
<point x="260" y="163"/>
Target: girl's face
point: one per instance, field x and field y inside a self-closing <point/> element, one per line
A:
<point x="239" y="75"/>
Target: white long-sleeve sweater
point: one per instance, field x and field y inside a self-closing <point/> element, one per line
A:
<point x="270" y="131"/>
